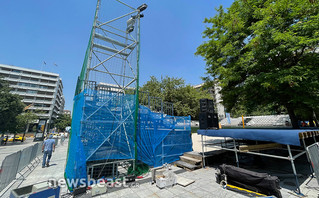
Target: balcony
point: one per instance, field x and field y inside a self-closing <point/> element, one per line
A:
<point x="37" y="101"/>
<point x="29" y="75"/>
<point x="37" y="88"/>
<point x="43" y="115"/>
<point x="40" y="108"/>
<point x="29" y="81"/>
<point x="31" y="94"/>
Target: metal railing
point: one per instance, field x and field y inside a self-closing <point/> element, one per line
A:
<point x="263" y="121"/>
<point x="156" y="104"/>
<point x="13" y="164"/>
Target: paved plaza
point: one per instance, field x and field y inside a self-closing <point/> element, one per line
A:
<point x="204" y="186"/>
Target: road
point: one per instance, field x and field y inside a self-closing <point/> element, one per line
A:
<point x="12" y="147"/>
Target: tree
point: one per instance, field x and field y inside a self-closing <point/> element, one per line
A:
<point x="24" y="119"/>
<point x="265" y="53"/>
<point x="184" y="97"/>
<point x="10" y="107"/>
<point x="62" y="122"/>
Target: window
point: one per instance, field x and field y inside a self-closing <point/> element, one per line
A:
<point x="34" y="79"/>
<point x="16" y="71"/>
<point x="24" y="78"/>
<point x="31" y="92"/>
<point x="44" y="87"/>
<point x="28" y="97"/>
<point x="5" y="69"/>
<point x="14" y="76"/>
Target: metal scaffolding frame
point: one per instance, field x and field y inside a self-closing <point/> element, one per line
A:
<point x="106" y="97"/>
<point x="290" y="156"/>
<point x="108" y="34"/>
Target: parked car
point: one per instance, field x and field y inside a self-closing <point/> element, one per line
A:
<point x="17" y="138"/>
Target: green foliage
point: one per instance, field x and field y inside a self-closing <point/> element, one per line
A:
<point x="25" y="118"/>
<point x="184" y="97"/>
<point x="10" y="107"/>
<point x="62" y="121"/>
<point x="265" y="53"/>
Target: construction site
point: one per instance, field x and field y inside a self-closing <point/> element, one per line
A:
<point x="128" y="143"/>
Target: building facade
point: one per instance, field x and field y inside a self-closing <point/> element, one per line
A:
<point x="41" y="92"/>
<point x="215" y="93"/>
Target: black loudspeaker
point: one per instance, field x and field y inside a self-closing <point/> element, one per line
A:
<point x="208" y="120"/>
<point x="206" y="105"/>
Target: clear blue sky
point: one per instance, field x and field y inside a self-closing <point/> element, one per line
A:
<point x="57" y="31"/>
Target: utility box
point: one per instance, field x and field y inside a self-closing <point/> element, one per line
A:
<point x="39" y="190"/>
<point x="168" y="179"/>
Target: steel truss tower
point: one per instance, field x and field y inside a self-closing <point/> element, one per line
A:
<point x="105" y="112"/>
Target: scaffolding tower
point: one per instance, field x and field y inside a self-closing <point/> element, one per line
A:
<point x="105" y="111"/>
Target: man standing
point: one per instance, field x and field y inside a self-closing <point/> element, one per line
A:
<point x="47" y="149"/>
<point x="62" y="138"/>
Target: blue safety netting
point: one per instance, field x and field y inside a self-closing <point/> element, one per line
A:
<point x="103" y="129"/>
<point x="162" y="138"/>
<point x="76" y="161"/>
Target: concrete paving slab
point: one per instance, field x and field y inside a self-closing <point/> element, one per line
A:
<point x="184" y="181"/>
<point x="165" y="193"/>
<point x="177" y="190"/>
<point x="144" y="193"/>
<point x="204" y="185"/>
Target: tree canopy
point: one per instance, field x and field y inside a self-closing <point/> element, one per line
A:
<point x="62" y="122"/>
<point x="265" y="53"/>
<point x="10" y="107"/>
<point x="184" y="97"/>
<point x="25" y="118"/>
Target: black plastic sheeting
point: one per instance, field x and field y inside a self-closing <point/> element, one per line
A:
<point x="250" y="180"/>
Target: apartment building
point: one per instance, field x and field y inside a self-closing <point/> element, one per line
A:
<point x="41" y="92"/>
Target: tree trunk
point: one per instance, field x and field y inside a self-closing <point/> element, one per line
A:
<point x="293" y="118"/>
<point x="26" y="130"/>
